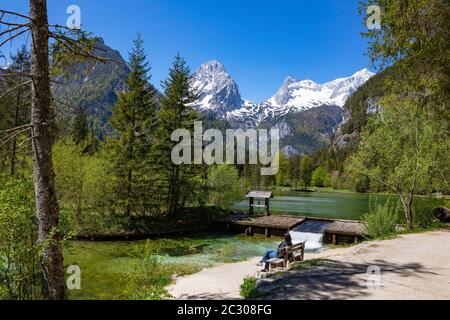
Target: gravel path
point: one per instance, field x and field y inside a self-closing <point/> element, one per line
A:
<point x="413" y="266"/>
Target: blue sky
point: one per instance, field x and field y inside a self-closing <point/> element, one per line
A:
<point x="259" y="42"/>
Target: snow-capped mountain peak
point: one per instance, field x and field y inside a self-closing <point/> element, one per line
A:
<point x="216" y="89"/>
<point x="301" y="95"/>
<point x="220" y="94"/>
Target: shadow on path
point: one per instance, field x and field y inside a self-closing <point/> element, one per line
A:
<point x="332" y="280"/>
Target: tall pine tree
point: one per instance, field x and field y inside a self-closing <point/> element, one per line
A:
<point x="132" y="120"/>
<point x="80" y="129"/>
<point x="177" y="183"/>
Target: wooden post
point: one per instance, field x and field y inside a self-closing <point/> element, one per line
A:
<point x="267" y="212"/>
<point x="268" y="233"/>
<point x="334" y="239"/>
<point x="250" y="206"/>
<point x="356" y="239"/>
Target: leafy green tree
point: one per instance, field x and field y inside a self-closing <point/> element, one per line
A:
<point x="320" y="177"/>
<point x="414" y="37"/>
<point x="283" y="176"/>
<point x="224" y="186"/>
<point x="178" y="183"/>
<point x="405" y="149"/>
<point x="20" y="277"/>
<point x="133" y="120"/>
<point x="83" y="183"/>
<point x="73" y="44"/>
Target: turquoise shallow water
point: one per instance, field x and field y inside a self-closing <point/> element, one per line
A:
<point x="323" y="204"/>
<point x="105" y="264"/>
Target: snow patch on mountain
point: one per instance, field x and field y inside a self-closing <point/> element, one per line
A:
<point x="219" y="93"/>
<point x="297" y="96"/>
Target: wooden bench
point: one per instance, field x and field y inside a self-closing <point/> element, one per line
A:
<point x="290" y="254"/>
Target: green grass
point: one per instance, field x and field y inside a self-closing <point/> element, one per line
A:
<point x="308" y="264"/>
<point x="248" y="288"/>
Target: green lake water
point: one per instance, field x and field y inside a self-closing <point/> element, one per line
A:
<point x="338" y="205"/>
<point x="104" y="265"/>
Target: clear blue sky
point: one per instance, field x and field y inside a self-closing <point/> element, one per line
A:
<point x="260" y="42"/>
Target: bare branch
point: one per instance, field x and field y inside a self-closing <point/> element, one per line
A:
<point x="20" y="26"/>
<point x="63" y="103"/>
<point x="56" y="81"/>
<point x="26" y="140"/>
<point x="12" y="136"/>
<point x="14" y="13"/>
<point x="14" y="88"/>
<point x="17" y="128"/>
<point x="14" y="36"/>
<point x="395" y="189"/>
<point x="10" y="24"/>
<point x="13" y="74"/>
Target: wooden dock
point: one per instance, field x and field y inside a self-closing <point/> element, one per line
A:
<point x="348" y="229"/>
<point x="337" y="230"/>
<point x="270" y="225"/>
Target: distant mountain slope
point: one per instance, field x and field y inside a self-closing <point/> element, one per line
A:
<point x="307" y="131"/>
<point x="95" y="91"/>
<point x="359" y="106"/>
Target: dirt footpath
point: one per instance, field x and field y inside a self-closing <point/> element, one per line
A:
<point x="413" y="266"/>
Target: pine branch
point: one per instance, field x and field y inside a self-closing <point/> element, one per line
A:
<point x="75" y="47"/>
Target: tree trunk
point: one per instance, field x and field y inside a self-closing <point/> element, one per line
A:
<point x="407" y="204"/>
<point x="47" y="209"/>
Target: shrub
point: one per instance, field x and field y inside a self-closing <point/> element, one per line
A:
<point x="83" y="187"/>
<point x="381" y="221"/>
<point x="320" y="177"/>
<point x="19" y="252"/>
<point x="223" y="181"/>
<point x="423" y="211"/>
<point x="248" y="288"/>
<point x="149" y="277"/>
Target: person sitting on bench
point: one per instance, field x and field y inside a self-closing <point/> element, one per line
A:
<point x="270" y="254"/>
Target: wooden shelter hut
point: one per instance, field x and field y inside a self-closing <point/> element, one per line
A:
<point x="252" y="195"/>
